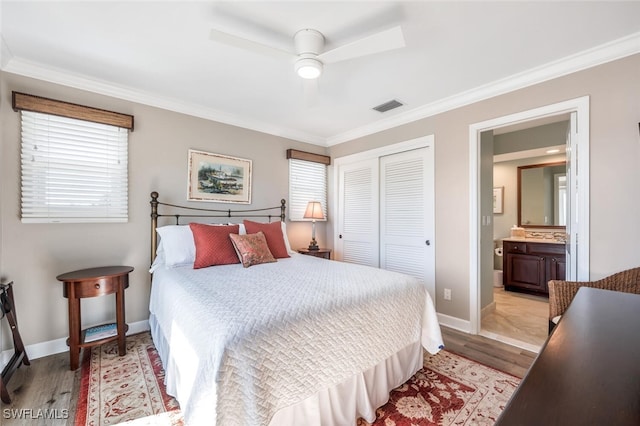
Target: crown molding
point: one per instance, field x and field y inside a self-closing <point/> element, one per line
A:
<point x="617" y="49"/>
<point x="598" y="55"/>
<point x="39" y="71"/>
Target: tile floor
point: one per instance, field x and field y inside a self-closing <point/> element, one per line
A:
<point x="518" y="319"/>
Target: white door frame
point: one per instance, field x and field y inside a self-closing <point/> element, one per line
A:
<point x="581" y="107"/>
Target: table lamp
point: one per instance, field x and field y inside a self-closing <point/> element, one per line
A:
<point x="313" y="212"/>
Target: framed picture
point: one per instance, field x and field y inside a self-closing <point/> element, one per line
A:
<point x="218" y="178"/>
<point x="498" y="203"/>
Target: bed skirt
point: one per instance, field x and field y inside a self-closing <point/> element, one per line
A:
<point x="340" y="404"/>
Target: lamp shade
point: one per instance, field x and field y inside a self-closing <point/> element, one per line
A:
<point x="314" y="210"/>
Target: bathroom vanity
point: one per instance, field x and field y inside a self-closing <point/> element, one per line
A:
<point x="530" y="263"/>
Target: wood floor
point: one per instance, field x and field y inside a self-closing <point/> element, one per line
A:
<point x="46" y="392"/>
<point x="42" y="394"/>
<point x="501" y="356"/>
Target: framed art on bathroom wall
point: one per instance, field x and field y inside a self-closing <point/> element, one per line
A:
<point x="498" y="202"/>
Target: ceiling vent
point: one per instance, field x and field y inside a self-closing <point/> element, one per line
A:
<point x="387" y="106"/>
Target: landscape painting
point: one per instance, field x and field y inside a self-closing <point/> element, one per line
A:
<point x="218" y="178"/>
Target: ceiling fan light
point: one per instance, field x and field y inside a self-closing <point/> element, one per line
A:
<point x="309" y="68"/>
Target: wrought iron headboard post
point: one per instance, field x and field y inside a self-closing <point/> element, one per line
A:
<point x="208" y="213"/>
<point x="154" y="225"/>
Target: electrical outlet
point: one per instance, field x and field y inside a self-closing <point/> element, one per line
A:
<point x="447" y="294"/>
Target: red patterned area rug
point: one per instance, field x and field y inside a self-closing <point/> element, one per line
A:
<point x="128" y="389"/>
<point x="449" y="390"/>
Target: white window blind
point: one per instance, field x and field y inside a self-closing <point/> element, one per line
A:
<point x="307" y="182"/>
<point x="73" y="170"/>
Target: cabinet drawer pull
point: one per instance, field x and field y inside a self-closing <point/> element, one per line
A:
<point x="97" y="285"/>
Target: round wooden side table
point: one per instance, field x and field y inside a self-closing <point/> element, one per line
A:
<point x="94" y="282"/>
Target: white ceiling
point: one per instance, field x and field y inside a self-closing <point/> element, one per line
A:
<point x="159" y="53"/>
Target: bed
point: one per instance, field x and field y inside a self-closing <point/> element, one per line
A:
<point x="297" y="340"/>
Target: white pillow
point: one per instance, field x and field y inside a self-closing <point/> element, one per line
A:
<point x="243" y="230"/>
<point x="286" y="238"/>
<point x="176" y="241"/>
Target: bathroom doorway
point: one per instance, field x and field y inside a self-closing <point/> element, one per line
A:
<point x="527" y="160"/>
<point x="482" y="292"/>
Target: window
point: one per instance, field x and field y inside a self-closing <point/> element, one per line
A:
<point x="307" y="182"/>
<point x="72" y="170"/>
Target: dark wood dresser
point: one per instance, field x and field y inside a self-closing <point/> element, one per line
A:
<point x="588" y="371"/>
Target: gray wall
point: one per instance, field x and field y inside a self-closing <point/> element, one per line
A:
<point x="614" y="91"/>
<point x="34" y="254"/>
<point x="532" y="138"/>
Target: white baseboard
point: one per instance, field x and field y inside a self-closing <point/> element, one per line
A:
<point x="52" y="347"/>
<point x="509" y="341"/>
<point x="455" y="323"/>
<point x="489" y="309"/>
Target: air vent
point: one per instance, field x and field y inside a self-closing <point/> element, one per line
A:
<point x="388" y="106"/>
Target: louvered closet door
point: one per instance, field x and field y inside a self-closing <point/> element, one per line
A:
<point x="358" y="213"/>
<point x="406" y="214"/>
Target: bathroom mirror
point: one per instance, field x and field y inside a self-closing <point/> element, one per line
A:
<point x="542" y="195"/>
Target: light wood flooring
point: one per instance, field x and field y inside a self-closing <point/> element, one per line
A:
<point x="44" y="393"/>
<point x="47" y="384"/>
<point x="519" y="319"/>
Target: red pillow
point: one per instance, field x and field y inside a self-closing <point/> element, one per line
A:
<point x="213" y="245"/>
<point x="273" y="234"/>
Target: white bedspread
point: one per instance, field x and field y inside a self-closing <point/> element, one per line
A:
<point x="246" y="342"/>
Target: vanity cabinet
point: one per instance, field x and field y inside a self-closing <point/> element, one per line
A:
<point x="528" y="266"/>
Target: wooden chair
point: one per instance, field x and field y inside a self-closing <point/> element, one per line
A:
<point x="562" y="292"/>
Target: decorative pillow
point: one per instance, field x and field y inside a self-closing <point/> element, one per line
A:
<point x="176" y="241"/>
<point x="213" y="246"/>
<point x="252" y="249"/>
<point x="273" y="234"/>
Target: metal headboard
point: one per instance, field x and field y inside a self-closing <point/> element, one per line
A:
<point x="206" y="213"/>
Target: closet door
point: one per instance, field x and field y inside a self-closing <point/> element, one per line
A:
<point x="406" y="214"/>
<point x="358" y="213"/>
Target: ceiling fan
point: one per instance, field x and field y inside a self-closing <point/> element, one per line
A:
<point x="308" y="48"/>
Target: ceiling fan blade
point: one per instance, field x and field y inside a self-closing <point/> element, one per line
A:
<point x="390" y="39"/>
<point x="246" y="44"/>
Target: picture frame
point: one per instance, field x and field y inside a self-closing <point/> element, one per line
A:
<point x="219" y="178"/>
<point x="498" y="200"/>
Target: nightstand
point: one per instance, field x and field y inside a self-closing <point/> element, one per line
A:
<point x="92" y="283"/>
<point x="323" y="252"/>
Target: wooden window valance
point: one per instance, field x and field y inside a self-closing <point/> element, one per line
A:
<point x="308" y="156"/>
<point x="22" y="101"/>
